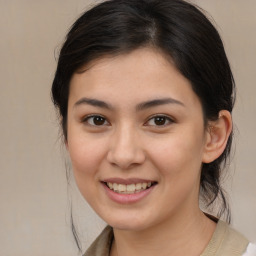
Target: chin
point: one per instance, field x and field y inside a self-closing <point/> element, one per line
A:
<point x="128" y="222"/>
<point x="128" y="226"/>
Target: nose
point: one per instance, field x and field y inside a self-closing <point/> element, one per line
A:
<point x="125" y="149"/>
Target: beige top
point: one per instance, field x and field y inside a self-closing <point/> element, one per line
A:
<point x="224" y="242"/>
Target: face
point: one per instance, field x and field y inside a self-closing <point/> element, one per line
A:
<point x="136" y="139"/>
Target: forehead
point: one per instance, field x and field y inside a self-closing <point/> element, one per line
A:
<point x="136" y="76"/>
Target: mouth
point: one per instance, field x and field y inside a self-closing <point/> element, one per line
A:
<point x="132" y="188"/>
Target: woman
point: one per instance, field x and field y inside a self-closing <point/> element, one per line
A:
<point x="145" y="95"/>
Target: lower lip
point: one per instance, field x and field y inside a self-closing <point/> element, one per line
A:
<point x="127" y="198"/>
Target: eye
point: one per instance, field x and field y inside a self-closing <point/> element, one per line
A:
<point x="159" y="120"/>
<point x="95" y="120"/>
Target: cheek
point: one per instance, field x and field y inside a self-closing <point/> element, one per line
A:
<point x="179" y="155"/>
<point x="178" y="162"/>
<point x="86" y="158"/>
<point x="85" y="154"/>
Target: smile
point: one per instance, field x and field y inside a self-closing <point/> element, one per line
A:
<point x="128" y="191"/>
<point x="129" y="188"/>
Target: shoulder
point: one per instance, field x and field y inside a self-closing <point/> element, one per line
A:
<point x="101" y="246"/>
<point x="251" y="250"/>
<point x="226" y="241"/>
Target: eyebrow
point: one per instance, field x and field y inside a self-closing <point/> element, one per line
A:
<point x="139" y="107"/>
<point x="93" y="102"/>
<point x="157" y="102"/>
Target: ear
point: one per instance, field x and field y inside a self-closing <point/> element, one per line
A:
<point x="217" y="135"/>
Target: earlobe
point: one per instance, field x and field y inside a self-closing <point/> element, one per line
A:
<point x="217" y="136"/>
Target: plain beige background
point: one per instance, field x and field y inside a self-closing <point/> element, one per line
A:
<point x="34" y="197"/>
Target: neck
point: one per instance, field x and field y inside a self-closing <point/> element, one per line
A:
<point x="183" y="235"/>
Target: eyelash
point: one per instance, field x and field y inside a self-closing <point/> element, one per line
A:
<point x="106" y="123"/>
<point x="87" y="118"/>
<point x="166" y="118"/>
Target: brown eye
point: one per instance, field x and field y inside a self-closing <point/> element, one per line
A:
<point x="159" y="121"/>
<point x="96" y="120"/>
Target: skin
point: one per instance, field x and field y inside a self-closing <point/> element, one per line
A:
<point x="129" y="143"/>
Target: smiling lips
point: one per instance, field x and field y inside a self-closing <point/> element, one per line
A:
<point x="128" y="191"/>
<point x="130" y="188"/>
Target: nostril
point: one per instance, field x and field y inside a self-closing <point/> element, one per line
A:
<point x="125" y="159"/>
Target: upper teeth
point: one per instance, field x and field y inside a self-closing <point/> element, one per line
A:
<point x="131" y="188"/>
